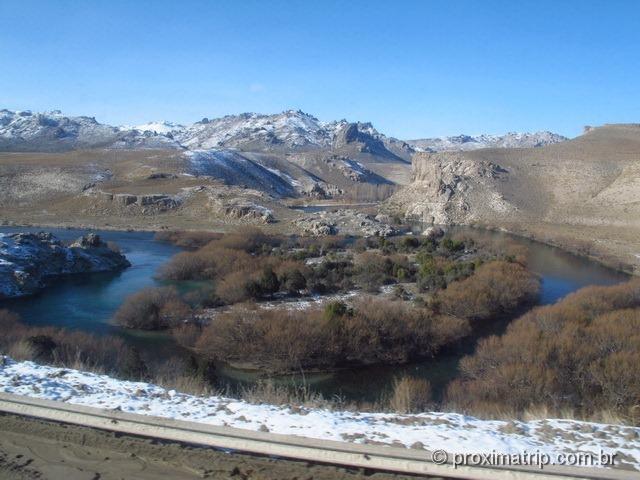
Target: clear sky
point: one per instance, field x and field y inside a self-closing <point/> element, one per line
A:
<point x="412" y="68"/>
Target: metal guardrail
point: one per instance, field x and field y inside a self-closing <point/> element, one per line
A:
<point x="376" y="457"/>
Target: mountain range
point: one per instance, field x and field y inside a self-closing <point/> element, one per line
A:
<point x="287" y="131"/>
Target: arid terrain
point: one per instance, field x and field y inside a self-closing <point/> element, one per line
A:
<point x="582" y="194"/>
<point x="214" y="174"/>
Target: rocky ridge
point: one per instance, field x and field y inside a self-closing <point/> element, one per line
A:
<point x="475" y="142"/>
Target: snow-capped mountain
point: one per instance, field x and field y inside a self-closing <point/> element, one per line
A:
<point x="24" y="130"/>
<point x="53" y="131"/>
<point x="162" y="128"/>
<point x="286" y="131"/>
<point x="289" y="130"/>
<point x="468" y="142"/>
<point x="292" y="130"/>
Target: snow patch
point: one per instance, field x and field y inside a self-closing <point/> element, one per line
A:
<point x="434" y="430"/>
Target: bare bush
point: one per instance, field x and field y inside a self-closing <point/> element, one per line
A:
<point x="496" y="287"/>
<point x="580" y="353"/>
<point x="153" y="309"/>
<point x="187" y="239"/>
<point x="375" y="331"/>
<point x="67" y="348"/>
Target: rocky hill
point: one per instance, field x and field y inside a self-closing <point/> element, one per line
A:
<point x="287" y="154"/>
<point x="25" y="131"/>
<point x="289" y="130"/>
<point x="583" y="193"/>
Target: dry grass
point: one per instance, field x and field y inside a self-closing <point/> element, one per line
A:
<point x="410" y="395"/>
<point x="68" y="348"/>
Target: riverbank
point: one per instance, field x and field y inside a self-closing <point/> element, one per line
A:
<point x="613" y="247"/>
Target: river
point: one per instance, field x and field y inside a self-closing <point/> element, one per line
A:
<point x="88" y="302"/>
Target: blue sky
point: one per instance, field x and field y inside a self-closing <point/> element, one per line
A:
<point x="414" y="69"/>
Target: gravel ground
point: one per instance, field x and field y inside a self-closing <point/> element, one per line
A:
<point x="36" y="449"/>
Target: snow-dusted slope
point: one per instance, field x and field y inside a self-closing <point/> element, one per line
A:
<point x="235" y="169"/>
<point x="24" y="130"/>
<point x="162" y="128"/>
<point x="289" y="131"/>
<point x="453" y="432"/>
<point x="468" y="142"/>
<point x="53" y="131"/>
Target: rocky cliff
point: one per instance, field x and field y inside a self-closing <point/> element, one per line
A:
<point x="29" y="261"/>
<point x="450" y="187"/>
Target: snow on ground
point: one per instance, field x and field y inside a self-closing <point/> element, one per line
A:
<point x="450" y="431"/>
<point x="307" y="302"/>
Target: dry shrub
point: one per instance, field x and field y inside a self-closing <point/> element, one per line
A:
<point x="262" y="279"/>
<point x="292" y="275"/>
<point x="581" y="353"/>
<point x="207" y="263"/>
<point x="153" y="309"/>
<point x="185" y="239"/>
<point x="188" y="266"/>
<point x="267" y="391"/>
<point x="187" y="334"/>
<point x="496" y="287"/>
<point x="184" y="375"/>
<point x="279" y="339"/>
<point x="21" y="350"/>
<point x="68" y="348"/>
<point x="235" y="287"/>
<point x="373" y="270"/>
<point x="410" y="395"/>
<point x="375" y="331"/>
<point x="380" y="331"/>
<point x="249" y="239"/>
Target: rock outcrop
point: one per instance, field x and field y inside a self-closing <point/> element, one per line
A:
<point x="451" y="187"/>
<point x="344" y="222"/>
<point x="29" y="261"/>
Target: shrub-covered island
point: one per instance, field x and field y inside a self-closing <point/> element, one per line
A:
<point x="375" y="300"/>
